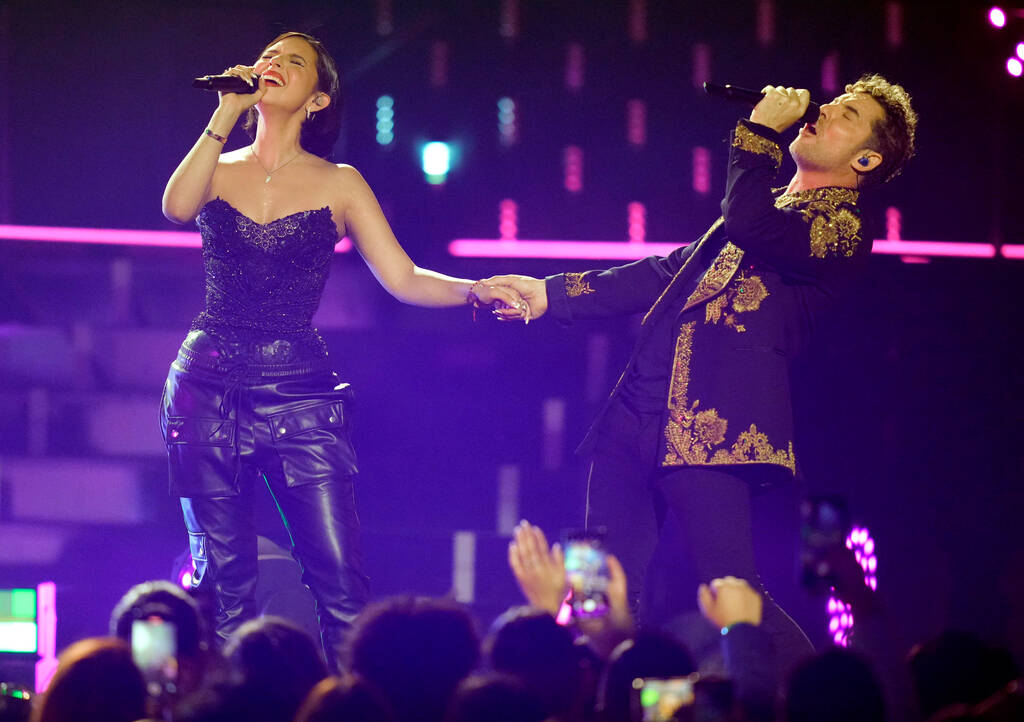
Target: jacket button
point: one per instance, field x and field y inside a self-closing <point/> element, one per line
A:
<point x="281" y="430"/>
<point x="332" y="418"/>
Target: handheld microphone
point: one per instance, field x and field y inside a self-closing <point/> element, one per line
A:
<point x="753" y="97"/>
<point x="226" y="84"/>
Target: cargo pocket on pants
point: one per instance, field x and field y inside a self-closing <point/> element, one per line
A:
<point x="201" y="456"/>
<point x="313" y="443"/>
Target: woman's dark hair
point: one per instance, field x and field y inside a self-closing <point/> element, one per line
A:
<point x="320" y="131"/>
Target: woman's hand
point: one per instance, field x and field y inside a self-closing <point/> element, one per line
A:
<point x="507" y="303"/>
<point x="531" y="290"/>
<point x="240" y="102"/>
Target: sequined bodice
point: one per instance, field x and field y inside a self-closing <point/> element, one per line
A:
<point x="264" y="281"/>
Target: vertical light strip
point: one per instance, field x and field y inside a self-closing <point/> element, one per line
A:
<point x="553" y="433"/>
<point x="572" y="160"/>
<point x="46" y="621"/>
<point x="464" y="566"/>
<point x="574" y="66"/>
<point x="636" y="122"/>
<point x="765" y="23"/>
<point x="508" y="499"/>
<point x="508" y="220"/>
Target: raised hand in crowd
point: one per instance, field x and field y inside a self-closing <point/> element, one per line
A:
<point x="539" y="569"/>
<point x="728" y="601"/>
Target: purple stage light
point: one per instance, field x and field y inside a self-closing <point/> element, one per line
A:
<point x="638" y="21"/>
<point x="997" y="17"/>
<point x="1014" y="67"/>
<point x="1020" y="50"/>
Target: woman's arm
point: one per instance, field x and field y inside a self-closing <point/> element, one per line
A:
<point x="391" y="265"/>
<point x="189" y="186"/>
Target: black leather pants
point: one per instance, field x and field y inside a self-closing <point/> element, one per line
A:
<point x="229" y="430"/>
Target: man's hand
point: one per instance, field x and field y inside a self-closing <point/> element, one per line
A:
<point x="780" y="107"/>
<point x="539" y="570"/>
<point x="729" y="601"/>
<point x="533" y="291"/>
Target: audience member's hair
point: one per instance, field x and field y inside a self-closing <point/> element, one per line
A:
<point x="835" y="686"/>
<point x="415" y="651"/>
<point x="648" y="655"/>
<point x="95" y="681"/>
<point x="351" y="699"/>
<point x="957" y="668"/>
<point x="495" y="698"/>
<point x="530" y="644"/>
<point x="168" y="601"/>
<point x="278" y="663"/>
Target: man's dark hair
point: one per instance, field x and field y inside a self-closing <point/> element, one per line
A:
<point x="893" y="135"/>
<point x="416" y="651"/>
<point x="320" y="132"/>
<point x="835" y="686"/>
<point x="529" y="644"/>
<point x="168" y="601"/>
<point x="278" y="664"/>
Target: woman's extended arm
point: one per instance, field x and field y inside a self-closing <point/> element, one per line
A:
<point x="403" y="279"/>
<point x="189" y="185"/>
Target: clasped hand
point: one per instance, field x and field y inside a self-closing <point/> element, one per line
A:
<point x="530" y="291"/>
<point x="780" y="107"/>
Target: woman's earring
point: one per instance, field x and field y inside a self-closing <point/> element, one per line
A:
<point x="309" y="114"/>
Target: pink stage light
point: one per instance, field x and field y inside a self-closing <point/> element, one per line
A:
<point x="117" y="237"/>
<point x="508" y="219"/>
<point x="701" y="170"/>
<point x="765" y="23"/>
<point x="894" y="24"/>
<point x="619" y="250"/>
<point x="508" y="26"/>
<point x="830" y="73"/>
<point x="638" y="21"/>
<point x="439" y="64"/>
<point x="893" y="223"/>
<point x="589" y="250"/>
<point x="1020" y="50"/>
<point x="637" y="214"/>
<point x="572" y="160"/>
<point x="574" y="66"/>
<point x="1014" y="67"/>
<point x="46" y="619"/>
<point x="701" y="65"/>
<point x="636" y="122"/>
<point x="934" y="248"/>
<point x="997" y="17"/>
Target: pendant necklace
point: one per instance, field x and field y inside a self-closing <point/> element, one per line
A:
<point x="272" y="172"/>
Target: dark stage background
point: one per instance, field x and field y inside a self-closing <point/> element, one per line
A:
<point x="908" y="405"/>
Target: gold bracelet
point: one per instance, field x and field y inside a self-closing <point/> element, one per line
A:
<point x="219" y="138"/>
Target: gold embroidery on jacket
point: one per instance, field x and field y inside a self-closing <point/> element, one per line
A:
<point x="714" y="227"/>
<point x="753" y="447"/>
<point x="835" y="225"/>
<point x="693" y="434"/>
<point x="744" y="294"/>
<point x="575" y="285"/>
<point x="746" y="139"/>
<point x="717" y="276"/>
